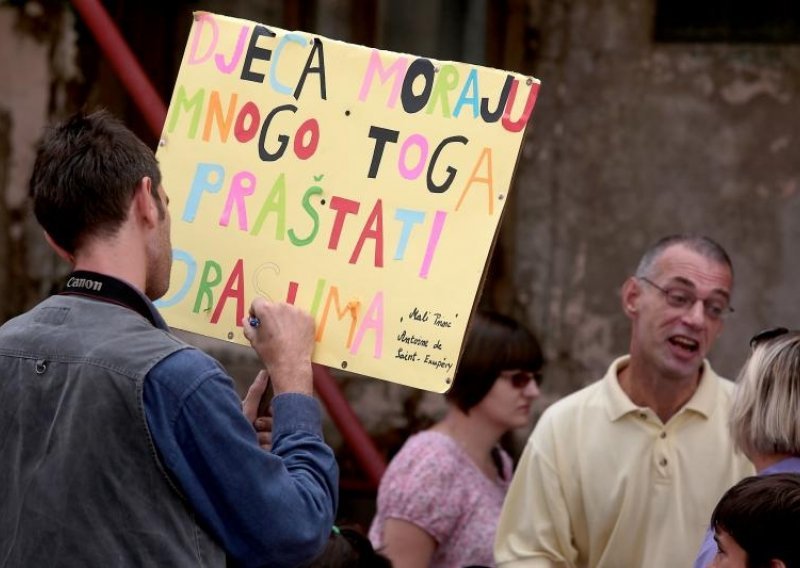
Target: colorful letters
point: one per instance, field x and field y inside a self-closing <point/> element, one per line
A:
<point x="363" y="186"/>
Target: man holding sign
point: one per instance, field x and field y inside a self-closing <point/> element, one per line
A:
<point x="121" y="444"/>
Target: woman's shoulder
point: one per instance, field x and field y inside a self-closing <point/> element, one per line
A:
<point x="427" y="459"/>
<point x="431" y="441"/>
<point x="423" y="485"/>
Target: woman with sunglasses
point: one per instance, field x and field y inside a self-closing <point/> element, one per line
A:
<point x="765" y="416"/>
<point x="440" y="498"/>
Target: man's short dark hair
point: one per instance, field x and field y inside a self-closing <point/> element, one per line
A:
<point x="84" y="178"/>
<point x="762" y="514"/>
<point x="494" y="343"/>
<point x="702" y="245"/>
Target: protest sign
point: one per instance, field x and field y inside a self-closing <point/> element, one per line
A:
<point x="362" y="185"/>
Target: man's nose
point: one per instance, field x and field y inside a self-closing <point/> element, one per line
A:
<point x="696" y="314"/>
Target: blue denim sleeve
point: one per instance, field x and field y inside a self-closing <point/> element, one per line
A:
<point x="265" y="508"/>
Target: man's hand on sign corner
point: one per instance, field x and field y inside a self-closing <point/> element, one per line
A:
<point x="252" y="402"/>
<point x="263" y="426"/>
<point x="284" y="341"/>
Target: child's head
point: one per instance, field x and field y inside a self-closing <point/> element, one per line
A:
<point x="347" y="547"/>
<point x="757" y="523"/>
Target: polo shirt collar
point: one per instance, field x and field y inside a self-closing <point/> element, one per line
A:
<point x="703" y="401"/>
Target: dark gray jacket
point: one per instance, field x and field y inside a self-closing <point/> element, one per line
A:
<point x="80" y="481"/>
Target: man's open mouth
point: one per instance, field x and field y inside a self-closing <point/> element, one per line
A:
<point x="685" y="343"/>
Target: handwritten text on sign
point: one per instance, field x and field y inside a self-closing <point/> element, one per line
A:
<point x="363" y="185"/>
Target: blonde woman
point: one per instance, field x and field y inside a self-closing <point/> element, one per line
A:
<point x="765" y="416"/>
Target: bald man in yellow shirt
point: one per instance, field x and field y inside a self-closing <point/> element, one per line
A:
<point x="625" y="472"/>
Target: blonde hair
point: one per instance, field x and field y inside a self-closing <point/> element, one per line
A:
<point x="765" y="416"/>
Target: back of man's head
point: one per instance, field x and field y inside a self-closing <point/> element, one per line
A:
<point x="762" y="514"/>
<point x="702" y="245"/>
<point x="84" y="177"/>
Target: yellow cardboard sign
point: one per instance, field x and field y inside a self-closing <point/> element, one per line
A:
<point x="362" y="185"/>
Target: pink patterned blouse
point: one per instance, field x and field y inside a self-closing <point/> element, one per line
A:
<point x="433" y="483"/>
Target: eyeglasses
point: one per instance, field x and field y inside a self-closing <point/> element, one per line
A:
<point x="521" y="379"/>
<point x="680" y="298"/>
<point x="766" y="335"/>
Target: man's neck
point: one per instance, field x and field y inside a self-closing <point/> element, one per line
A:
<point x="114" y="257"/>
<point x="664" y="395"/>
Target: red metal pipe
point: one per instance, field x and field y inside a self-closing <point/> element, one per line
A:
<point x="364" y="450"/>
<point x="127" y="68"/>
<point x="123" y="62"/>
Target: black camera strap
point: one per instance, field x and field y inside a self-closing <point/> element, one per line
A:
<point x="110" y="289"/>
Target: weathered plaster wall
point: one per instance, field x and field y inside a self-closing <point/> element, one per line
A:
<point x="633" y="140"/>
<point x="35" y="57"/>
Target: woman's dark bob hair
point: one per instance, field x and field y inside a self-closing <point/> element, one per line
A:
<point x="494" y="343"/>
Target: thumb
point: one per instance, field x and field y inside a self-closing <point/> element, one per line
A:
<point x="253" y="397"/>
<point x="249" y="331"/>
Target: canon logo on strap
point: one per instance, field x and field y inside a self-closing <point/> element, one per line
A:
<point x="84" y="283"/>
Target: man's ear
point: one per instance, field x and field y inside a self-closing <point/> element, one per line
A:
<point x="59" y="251"/>
<point x="776" y="564"/>
<point x="631" y="292"/>
<point x="144" y="205"/>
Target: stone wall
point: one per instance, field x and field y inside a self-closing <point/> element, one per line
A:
<point x="632" y="140"/>
<point x="37" y="74"/>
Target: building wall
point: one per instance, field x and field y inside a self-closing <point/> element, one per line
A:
<point x="36" y="56"/>
<point x="632" y="140"/>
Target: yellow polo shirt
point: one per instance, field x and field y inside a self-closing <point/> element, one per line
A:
<point x="604" y="483"/>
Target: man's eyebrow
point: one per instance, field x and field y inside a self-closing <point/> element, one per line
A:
<point x="689" y="284"/>
<point x="682" y="280"/>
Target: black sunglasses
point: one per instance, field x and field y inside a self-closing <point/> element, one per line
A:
<point x="766" y="335"/>
<point x="521" y="379"/>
